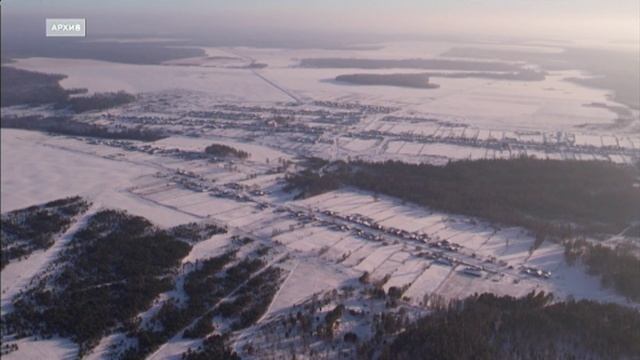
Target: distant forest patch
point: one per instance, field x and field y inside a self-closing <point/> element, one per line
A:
<point x="99" y="101"/>
<point x="419" y="81"/>
<point x="22" y="87"/>
<point x="134" y="52"/>
<point x="67" y="126"/>
<point x="220" y="150"/>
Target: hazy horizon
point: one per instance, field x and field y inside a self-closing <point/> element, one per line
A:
<point x="579" y="22"/>
<point x="282" y="179"/>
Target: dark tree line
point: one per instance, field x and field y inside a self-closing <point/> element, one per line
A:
<point x="97" y="101"/>
<point x="549" y="197"/>
<point x="23" y="87"/>
<point x="220" y="150"/>
<point x="137" y="52"/>
<point x="419" y="81"/>
<point x="532" y="327"/>
<point x="67" y="126"/>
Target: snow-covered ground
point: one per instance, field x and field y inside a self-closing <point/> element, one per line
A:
<point x="511" y="245"/>
<point x="38" y="349"/>
<point x="35" y="171"/>
<point x="257" y="152"/>
<point x="230" y="85"/>
<point x="274" y="115"/>
<point x="151" y="196"/>
<point x="553" y="104"/>
<point x="320" y="257"/>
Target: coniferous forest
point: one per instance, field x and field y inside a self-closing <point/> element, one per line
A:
<point x="23" y="87"/>
<point x="111" y="270"/>
<point x="555" y="200"/>
<point x="532" y="327"/>
<point x="24" y="231"/>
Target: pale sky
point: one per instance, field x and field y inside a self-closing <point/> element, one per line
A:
<point x="598" y="20"/>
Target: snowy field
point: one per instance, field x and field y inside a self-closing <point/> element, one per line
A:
<point x="481" y="102"/>
<point x="258" y="153"/>
<point x="553" y="104"/>
<point x="465" y="118"/>
<point x="229" y="85"/>
<point x="135" y="189"/>
<point x="34" y="172"/>
<point x="510" y="245"/>
<point x="395" y="259"/>
<point x="319" y="257"/>
<point x="279" y="115"/>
